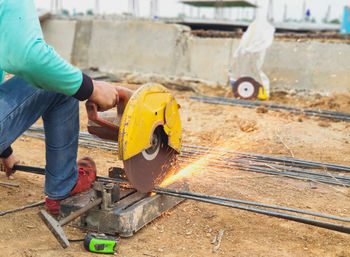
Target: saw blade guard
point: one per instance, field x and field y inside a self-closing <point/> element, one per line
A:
<point x="150" y="107"/>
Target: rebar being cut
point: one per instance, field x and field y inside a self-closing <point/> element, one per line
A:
<point x="229" y="159"/>
<point x="234" y="203"/>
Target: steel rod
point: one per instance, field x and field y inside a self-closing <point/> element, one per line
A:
<point x="234" y="162"/>
<point x="259" y="157"/>
<point x="213" y="197"/>
<point x="8" y="184"/>
<point x="227" y="202"/>
<point x="22" y="208"/>
<point x="254" y="104"/>
<point x="274" y="172"/>
<point x="308" y="221"/>
<point x="270" y="157"/>
<point x="281" y="168"/>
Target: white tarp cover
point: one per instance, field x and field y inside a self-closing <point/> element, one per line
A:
<point x="249" y="57"/>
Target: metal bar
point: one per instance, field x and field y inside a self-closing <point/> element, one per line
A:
<point x="228" y="203"/>
<point x="30" y="169"/>
<point x="213" y="197"/>
<point x="22" y="208"/>
<point x="250" y="168"/>
<point x="114" y="146"/>
<point x="286" y="107"/>
<point x="274" y="166"/>
<point x="8" y="184"/>
<point x="270" y="157"/>
<point x="335" y="115"/>
<point x="274" y="172"/>
<point x="308" y="221"/>
<point x="321" y="177"/>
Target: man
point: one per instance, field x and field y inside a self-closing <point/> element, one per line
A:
<point x="44" y="86"/>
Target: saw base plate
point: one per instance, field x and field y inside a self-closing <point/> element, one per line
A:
<point x="129" y="212"/>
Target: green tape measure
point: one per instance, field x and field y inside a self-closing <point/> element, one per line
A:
<point x="100" y="243"/>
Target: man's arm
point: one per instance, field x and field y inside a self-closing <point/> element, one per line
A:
<point x="24" y="52"/>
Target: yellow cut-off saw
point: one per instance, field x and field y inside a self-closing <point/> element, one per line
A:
<point x="147" y="127"/>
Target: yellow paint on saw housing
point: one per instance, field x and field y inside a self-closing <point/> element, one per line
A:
<point x="149" y="107"/>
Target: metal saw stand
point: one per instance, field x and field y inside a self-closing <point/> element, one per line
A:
<point x="123" y="211"/>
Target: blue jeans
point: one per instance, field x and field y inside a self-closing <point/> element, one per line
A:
<point x="21" y="105"/>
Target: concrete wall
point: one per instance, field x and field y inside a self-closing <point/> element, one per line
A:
<point x="137" y="47"/>
<point x="321" y="67"/>
<point x="60" y="34"/>
<point x="170" y="51"/>
<point x="210" y="58"/>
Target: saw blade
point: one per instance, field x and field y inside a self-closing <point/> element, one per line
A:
<point x="148" y="168"/>
<point x="145" y="174"/>
<point x="246" y="88"/>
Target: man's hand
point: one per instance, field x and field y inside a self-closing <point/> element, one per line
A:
<point x="105" y="95"/>
<point x="7" y="164"/>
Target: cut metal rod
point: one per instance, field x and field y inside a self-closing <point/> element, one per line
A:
<point x="252" y="168"/>
<point x="234" y="163"/>
<point x="22" y="208"/>
<point x="8" y="184"/>
<point x="255" y="163"/>
<point x="287" y="216"/>
<point x="220" y="198"/>
<point x="231" y="203"/>
<point x="88" y="140"/>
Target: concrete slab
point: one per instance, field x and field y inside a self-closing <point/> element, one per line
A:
<point x="60" y="34"/>
<point x="315" y="66"/>
<point x="211" y="58"/>
<point x="136" y="47"/>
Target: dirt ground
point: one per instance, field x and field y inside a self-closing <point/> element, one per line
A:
<point x="189" y="228"/>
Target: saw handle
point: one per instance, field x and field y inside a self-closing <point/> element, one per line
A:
<point x="107" y="129"/>
<point x="92" y="108"/>
<point x="92" y="113"/>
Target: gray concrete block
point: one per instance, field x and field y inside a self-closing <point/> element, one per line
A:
<point x="80" y="55"/>
<point x="316" y="66"/>
<point x="211" y="58"/>
<point x="137" y="47"/>
<point x="60" y="35"/>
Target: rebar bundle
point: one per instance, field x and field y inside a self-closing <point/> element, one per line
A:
<point x="214" y="158"/>
<point x="270" y="210"/>
<point x="271" y="106"/>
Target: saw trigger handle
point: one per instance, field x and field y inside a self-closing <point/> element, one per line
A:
<point x="124" y="95"/>
<point x="103" y="126"/>
<point x="92" y="113"/>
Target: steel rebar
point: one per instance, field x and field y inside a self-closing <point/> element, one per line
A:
<point x="244" y="161"/>
<point x="22" y="208"/>
<point x="228" y="202"/>
<point x="8" y="184"/>
<point x="270" y="106"/>
<point x="287" y="216"/>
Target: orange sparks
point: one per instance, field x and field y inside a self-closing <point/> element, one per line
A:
<point x="185" y="172"/>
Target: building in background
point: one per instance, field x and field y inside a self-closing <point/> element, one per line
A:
<point x="218" y="5"/>
<point x="134" y="7"/>
<point x="154" y="8"/>
<point x="56" y="6"/>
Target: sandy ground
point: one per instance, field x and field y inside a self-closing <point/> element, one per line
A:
<point x="189" y="228"/>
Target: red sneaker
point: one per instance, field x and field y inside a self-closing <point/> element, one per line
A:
<point x="87" y="175"/>
<point x="52" y="206"/>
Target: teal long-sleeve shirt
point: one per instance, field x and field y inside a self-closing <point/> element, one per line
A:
<point x="23" y="51"/>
